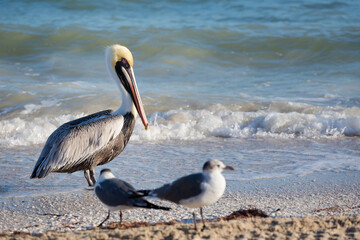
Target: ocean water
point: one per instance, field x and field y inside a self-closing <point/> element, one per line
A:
<point x="271" y="88"/>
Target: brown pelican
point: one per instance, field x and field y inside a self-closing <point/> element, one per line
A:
<point x="93" y="140"/>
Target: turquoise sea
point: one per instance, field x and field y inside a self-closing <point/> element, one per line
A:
<point x="271" y="88"/>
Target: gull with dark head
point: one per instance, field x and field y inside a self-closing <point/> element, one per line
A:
<point x="195" y="190"/>
<point x="117" y="194"/>
<point x="96" y="139"/>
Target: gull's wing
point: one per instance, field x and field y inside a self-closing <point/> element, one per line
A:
<point x="114" y="192"/>
<point x="183" y="188"/>
<point x="118" y="193"/>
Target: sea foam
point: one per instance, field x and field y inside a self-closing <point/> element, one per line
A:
<point x="200" y="124"/>
<point x="188" y="125"/>
<point x="21" y="132"/>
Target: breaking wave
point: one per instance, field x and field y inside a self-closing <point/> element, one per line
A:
<point x="219" y="121"/>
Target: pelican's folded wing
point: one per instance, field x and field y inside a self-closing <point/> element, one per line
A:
<point x="75" y="141"/>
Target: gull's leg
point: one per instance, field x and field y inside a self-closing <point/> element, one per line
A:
<point x="194" y="221"/>
<point x="120" y="217"/>
<point x="202" y="218"/>
<point x="107" y="217"/>
<point x="88" y="179"/>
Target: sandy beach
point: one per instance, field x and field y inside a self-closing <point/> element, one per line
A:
<point x="310" y="207"/>
<point x="313" y="227"/>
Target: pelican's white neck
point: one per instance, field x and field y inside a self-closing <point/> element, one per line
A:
<point x="127" y="104"/>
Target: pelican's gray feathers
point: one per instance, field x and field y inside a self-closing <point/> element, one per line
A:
<point x="71" y="145"/>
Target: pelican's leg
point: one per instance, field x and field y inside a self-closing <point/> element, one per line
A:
<point x="88" y="179"/>
<point x="92" y="176"/>
<point x="202" y="219"/>
<point x="194" y="221"/>
<point x="107" y="217"/>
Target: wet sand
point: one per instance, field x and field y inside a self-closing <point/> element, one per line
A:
<point x="312" y="206"/>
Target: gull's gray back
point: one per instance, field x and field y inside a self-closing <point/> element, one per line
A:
<point x="114" y="192"/>
<point x="183" y="188"/>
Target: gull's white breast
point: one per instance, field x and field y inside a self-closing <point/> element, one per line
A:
<point x="212" y="188"/>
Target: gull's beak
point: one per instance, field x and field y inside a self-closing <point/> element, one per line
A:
<point x="127" y="77"/>
<point x="229" y="168"/>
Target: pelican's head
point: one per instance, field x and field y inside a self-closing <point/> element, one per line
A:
<point x="216" y="165"/>
<point x="120" y="63"/>
<point x="118" y="53"/>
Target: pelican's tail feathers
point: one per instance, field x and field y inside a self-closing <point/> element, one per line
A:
<point x="40" y="171"/>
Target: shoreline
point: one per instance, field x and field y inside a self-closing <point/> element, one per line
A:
<point x="314" y="195"/>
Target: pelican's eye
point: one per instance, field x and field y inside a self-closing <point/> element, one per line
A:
<point x="125" y="63"/>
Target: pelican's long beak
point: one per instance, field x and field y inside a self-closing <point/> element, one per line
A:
<point x="127" y="77"/>
<point x="137" y="99"/>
